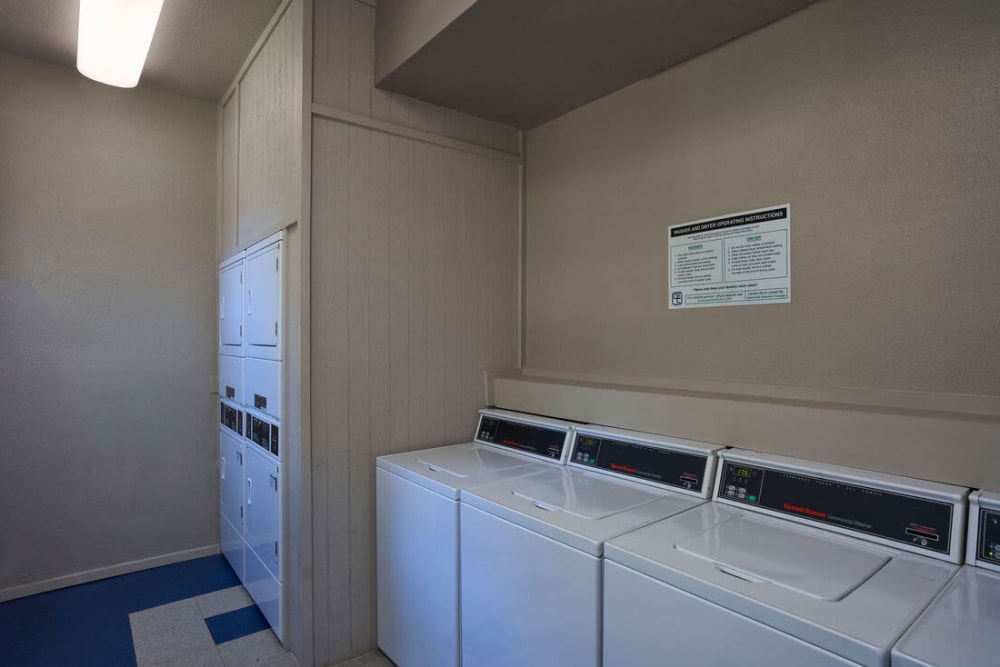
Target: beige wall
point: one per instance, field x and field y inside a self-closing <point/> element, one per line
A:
<point x="878" y="122"/>
<point x="107" y="243"/>
<point x="414" y="228"/>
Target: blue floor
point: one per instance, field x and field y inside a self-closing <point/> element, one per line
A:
<point x="88" y="625"/>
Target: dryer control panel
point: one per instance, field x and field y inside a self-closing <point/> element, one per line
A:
<point x="548" y="442"/>
<point x="918" y="522"/>
<point x="263" y="434"/>
<point x="988" y="548"/>
<point x="641" y="461"/>
<point x="231" y="418"/>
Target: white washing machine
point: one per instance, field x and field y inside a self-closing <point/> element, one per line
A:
<point x="531" y="547"/>
<point x="794" y="563"/>
<point x="962" y="627"/>
<point x="417" y="527"/>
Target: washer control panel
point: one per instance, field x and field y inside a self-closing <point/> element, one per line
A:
<point x="988" y="543"/>
<point x="640" y="460"/>
<point x="919" y="522"/>
<point x="525" y="437"/>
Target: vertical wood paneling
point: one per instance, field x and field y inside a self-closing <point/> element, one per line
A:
<point x="359" y="389"/>
<point x="419" y="115"/>
<point x="417" y="354"/>
<point x="343" y="70"/>
<point x="269" y="136"/>
<point x="414" y="256"/>
<point x="331" y="52"/>
<point x="360" y="61"/>
<point x="434" y="386"/>
<point x="399" y="291"/>
<point x="399" y="109"/>
<point x="228" y="229"/>
<point x="330" y="391"/>
<point x="413" y="296"/>
<point x="319" y="376"/>
<point x="379" y="263"/>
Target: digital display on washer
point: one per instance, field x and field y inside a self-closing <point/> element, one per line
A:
<point x="524" y="437"/>
<point x="646" y="462"/>
<point x="894" y="516"/>
<point x="989" y="536"/>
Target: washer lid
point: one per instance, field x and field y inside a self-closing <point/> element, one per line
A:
<point x="469" y="461"/>
<point x="862" y="626"/>
<point x="578" y="508"/>
<point x="583" y="495"/>
<point x="450" y="470"/>
<point x="762" y="550"/>
<point x="959" y="628"/>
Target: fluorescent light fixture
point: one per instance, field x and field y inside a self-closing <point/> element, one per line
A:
<point x="114" y="39"/>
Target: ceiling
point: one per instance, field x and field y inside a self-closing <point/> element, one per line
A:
<point x="520" y="62"/>
<point x="525" y="62"/>
<point x="197" y="50"/>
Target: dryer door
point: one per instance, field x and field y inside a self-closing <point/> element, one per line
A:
<point x="231" y="309"/>
<point x="231" y="477"/>
<point x="263" y="509"/>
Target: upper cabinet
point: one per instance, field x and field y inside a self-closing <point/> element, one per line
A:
<point x="270" y="139"/>
<point x="260" y="145"/>
<point x="228" y="145"/>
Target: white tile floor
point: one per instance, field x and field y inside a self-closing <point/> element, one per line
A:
<point x="375" y="659"/>
<point x="175" y="635"/>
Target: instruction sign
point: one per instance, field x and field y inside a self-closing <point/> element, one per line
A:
<point x="734" y="260"/>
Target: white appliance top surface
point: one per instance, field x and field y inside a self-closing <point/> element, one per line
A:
<point x="961" y="627"/>
<point x="468" y="461"/>
<point x="451" y="469"/>
<point x="577" y="507"/>
<point x="848" y="596"/>
<point x="584" y="496"/>
<point x="768" y="550"/>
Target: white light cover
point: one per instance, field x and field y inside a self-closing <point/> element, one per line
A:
<point x="114" y="39"/>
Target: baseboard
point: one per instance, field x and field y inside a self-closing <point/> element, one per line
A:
<point x="55" y="583"/>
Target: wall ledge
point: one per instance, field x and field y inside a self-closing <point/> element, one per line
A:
<point x="882" y="431"/>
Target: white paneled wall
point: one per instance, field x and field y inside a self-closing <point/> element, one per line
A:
<point x="414" y="283"/>
<point x="343" y="61"/>
<point x="269" y="133"/>
<point x="228" y="195"/>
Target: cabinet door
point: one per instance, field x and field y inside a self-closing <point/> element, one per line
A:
<point x="231" y="477"/>
<point x="231" y="309"/>
<point x="229" y="128"/>
<point x="263" y="303"/>
<point x="262" y="511"/>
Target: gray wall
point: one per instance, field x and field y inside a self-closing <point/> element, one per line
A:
<point x="107" y="245"/>
<point x="879" y="123"/>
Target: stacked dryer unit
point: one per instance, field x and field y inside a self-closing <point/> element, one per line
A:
<point x="250" y="446"/>
<point x="793" y="563"/>
<point x="962" y="626"/>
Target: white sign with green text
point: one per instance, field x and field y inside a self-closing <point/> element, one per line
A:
<point x="739" y="259"/>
